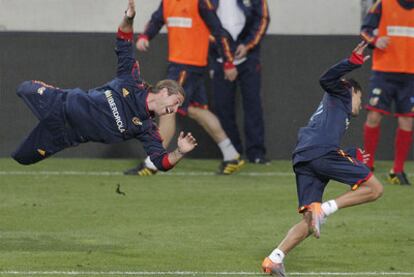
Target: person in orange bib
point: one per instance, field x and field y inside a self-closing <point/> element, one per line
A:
<point x="389" y="29"/>
<point x="189" y="24"/>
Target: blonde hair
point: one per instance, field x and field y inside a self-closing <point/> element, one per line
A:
<point x="172" y="86"/>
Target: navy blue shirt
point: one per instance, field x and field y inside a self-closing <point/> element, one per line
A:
<point x="328" y="123"/>
<point x="117" y="111"/>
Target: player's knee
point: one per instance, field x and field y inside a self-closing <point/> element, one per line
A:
<point x="377" y="191"/>
<point x="373" y="118"/>
<point x="194" y="112"/>
<point x="376" y="188"/>
<point x="25" y="88"/>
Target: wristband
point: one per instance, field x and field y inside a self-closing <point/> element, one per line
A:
<point x="229" y="65"/>
<point x="356" y="58"/>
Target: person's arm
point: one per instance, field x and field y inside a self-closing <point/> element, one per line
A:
<point x="152" y="28"/>
<point x="221" y="37"/>
<point x="331" y="80"/>
<point x="127" y="65"/>
<point x="370" y="24"/>
<point x="258" y="28"/>
<point x="162" y="160"/>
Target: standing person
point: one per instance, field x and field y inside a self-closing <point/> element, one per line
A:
<point x="189" y="24"/>
<point x="318" y="158"/>
<point x="392" y="78"/>
<point x="120" y="110"/>
<point x="247" y="22"/>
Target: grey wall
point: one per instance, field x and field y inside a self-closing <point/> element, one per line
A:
<point x="291" y="68"/>
<point x="288" y="17"/>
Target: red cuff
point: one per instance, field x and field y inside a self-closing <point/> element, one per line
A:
<point x="229" y="65"/>
<point x="166" y="163"/>
<point x="125" y="36"/>
<point x="143" y="36"/>
<point x="356" y="58"/>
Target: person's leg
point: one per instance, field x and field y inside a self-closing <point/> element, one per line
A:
<point x="209" y="122"/>
<point x="368" y="191"/>
<point x="403" y="141"/>
<point x="40" y="97"/>
<point x="404" y="107"/>
<point x="371" y="135"/>
<point x="224" y="105"/>
<point x="310" y="190"/>
<point x="250" y="84"/>
<point x="47" y="138"/>
<point x="381" y="93"/>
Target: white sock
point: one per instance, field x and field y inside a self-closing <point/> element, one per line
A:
<point x="228" y="150"/>
<point x="149" y="164"/>
<point x="277" y="256"/>
<point x="329" y="207"/>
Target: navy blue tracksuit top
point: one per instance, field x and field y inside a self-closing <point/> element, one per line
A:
<point x="329" y="122"/>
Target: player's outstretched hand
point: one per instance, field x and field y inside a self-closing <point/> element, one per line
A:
<point x="130" y="12"/>
<point x="186" y="143"/>
<point x="357" y="56"/>
<point x="363" y="156"/>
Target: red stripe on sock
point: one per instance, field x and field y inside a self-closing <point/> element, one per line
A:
<point x="371" y="137"/>
<point x="403" y="140"/>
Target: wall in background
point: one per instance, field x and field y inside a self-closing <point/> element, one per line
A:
<point x="341" y="17"/>
<point x="291" y="69"/>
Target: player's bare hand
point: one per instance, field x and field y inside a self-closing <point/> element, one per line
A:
<point x="130" y="12"/>
<point x="358" y="56"/>
<point x="382" y="42"/>
<point x="186" y="143"/>
<point x="142" y="44"/>
<point x="241" y="51"/>
<point x="365" y="157"/>
<point x="230" y="74"/>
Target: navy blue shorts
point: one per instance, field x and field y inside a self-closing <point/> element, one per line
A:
<point x="386" y="88"/>
<point x="193" y="82"/>
<point x="313" y="176"/>
<point x="52" y="134"/>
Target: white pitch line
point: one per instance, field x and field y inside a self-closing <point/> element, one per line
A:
<point x="196" y="273"/>
<point x="118" y="173"/>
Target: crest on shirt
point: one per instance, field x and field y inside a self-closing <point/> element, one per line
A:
<point x="136" y="121"/>
<point x="125" y="92"/>
<point x="247" y="3"/>
<point x="373" y="101"/>
<point x="41" y="90"/>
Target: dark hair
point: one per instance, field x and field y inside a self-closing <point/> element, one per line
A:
<point x="352" y="83"/>
<point x="172" y="86"/>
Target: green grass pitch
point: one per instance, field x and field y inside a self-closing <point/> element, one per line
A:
<point x="65" y="215"/>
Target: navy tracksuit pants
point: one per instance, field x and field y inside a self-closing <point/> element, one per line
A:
<point x="249" y="80"/>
